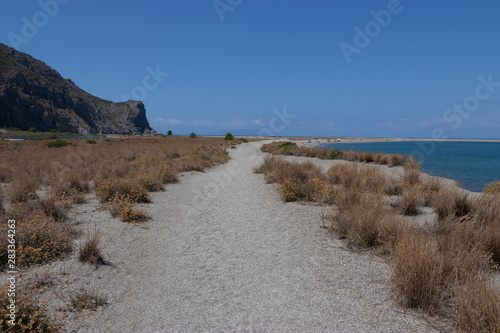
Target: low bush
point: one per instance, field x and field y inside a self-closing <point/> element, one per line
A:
<point x="31" y="316"/>
<point x="229" y="136"/>
<point x="90" y="251"/>
<point x="91" y="142"/>
<point x="87" y="299"/>
<point x="58" y="143"/>
<point x="192" y="135"/>
<point x="129" y="188"/>
<point x="120" y="206"/>
<point x="410" y="200"/>
<point x="362" y="218"/>
<point x="492" y="188"/>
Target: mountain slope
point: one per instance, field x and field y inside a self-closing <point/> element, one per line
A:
<point x="34" y="95"/>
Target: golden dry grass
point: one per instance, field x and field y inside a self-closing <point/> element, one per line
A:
<point x="289" y="148"/>
<point x="30" y="314"/>
<point x="443" y="270"/>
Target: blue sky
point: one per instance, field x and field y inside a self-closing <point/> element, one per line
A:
<point x="282" y="67"/>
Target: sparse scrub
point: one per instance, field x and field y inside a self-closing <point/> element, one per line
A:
<point x="451" y="202"/>
<point x="412" y="177"/>
<point x="360" y="219"/>
<point x="22" y="187"/>
<point x="477" y="305"/>
<point x="410" y="200"/>
<point x="39" y="237"/>
<point x="113" y="187"/>
<point x="229" y="136"/>
<point x="90" y="251"/>
<point x="492" y="188"/>
<point x="90" y="142"/>
<point x="58" y="143"/>
<point x="120" y="206"/>
<point x="87" y="299"/>
<point x="30" y="315"/>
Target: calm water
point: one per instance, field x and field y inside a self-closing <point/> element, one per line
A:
<point x="473" y="164"/>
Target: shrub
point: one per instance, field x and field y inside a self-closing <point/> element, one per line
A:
<point x="492" y="188"/>
<point x="149" y="182"/>
<point x="451" y="202"/>
<point x="243" y="140"/>
<point x="58" y="144"/>
<point x="294" y="189"/>
<point x="192" y="135"/>
<point x="410" y="200"/>
<point x="30" y="315"/>
<point x="32" y="129"/>
<point x="89" y="251"/>
<point x="39" y="238"/>
<point x="335" y="154"/>
<point x="477" y="305"/>
<point x="91" y="141"/>
<point x="360" y="218"/>
<point x="229" y="136"/>
<point x="87" y="299"/>
<point x="120" y="206"/>
<point x="23" y="187"/>
<point x="412" y="177"/>
<point x="53" y="130"/>
<point x="169" y="132"/>
<point x="112" y="187"/>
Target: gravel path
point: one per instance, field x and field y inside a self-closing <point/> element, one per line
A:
<point x="223" y="253"/>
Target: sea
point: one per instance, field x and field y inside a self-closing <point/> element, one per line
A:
<point x="473" y="164"/>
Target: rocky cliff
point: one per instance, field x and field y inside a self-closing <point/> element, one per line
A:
<point x="34" y="95"/>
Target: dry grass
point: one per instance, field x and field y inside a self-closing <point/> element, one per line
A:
<point x="120" y="167"/>
<point x="492" y="188"/>
<point x="113" y="187"/>
<point x="443" y="270"/>
<point x="361" y="218"/>
<point x="121" y="206"/>
<point x="30" y="315"/>
<point x="87" y="299"/>
<point x="410" y="200"/>
<point x="452" y="202"/>
<point x="289" y="148"/>
<point x="90" y="250"/>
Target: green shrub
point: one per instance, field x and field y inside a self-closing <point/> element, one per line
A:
<point x="336" y="154"/>
<point x="91" y="142"/>
<point x="229" y="136"/>
<point x="169" y="132"/>
<point x="53" y="131"/>
<point x="32" y="130"/>
<point x="53" y="137"/>
<point x="58" y="144"/>
<point x="192" y="135"/>
<point x="243" y="140"/>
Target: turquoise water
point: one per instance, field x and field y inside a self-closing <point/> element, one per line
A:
<point x="473" y="164"/>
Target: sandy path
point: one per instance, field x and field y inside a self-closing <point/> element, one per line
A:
<point x="224" y="253"/>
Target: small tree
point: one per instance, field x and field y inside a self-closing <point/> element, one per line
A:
<point x="32" y="129"/>
<point x="169" y="132"/>
<point x="53" y="130"/>
<point x="229" y="136"/>
<point x="192" y="135"/>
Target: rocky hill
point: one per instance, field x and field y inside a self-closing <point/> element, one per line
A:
<point x="34" y="95"/>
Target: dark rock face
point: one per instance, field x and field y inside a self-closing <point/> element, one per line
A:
<point x="34" y="95"/>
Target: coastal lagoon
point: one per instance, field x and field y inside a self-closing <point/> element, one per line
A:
<point x="473" y="164"/>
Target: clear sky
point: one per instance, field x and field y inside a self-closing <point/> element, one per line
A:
<point x="282" y="67"/>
